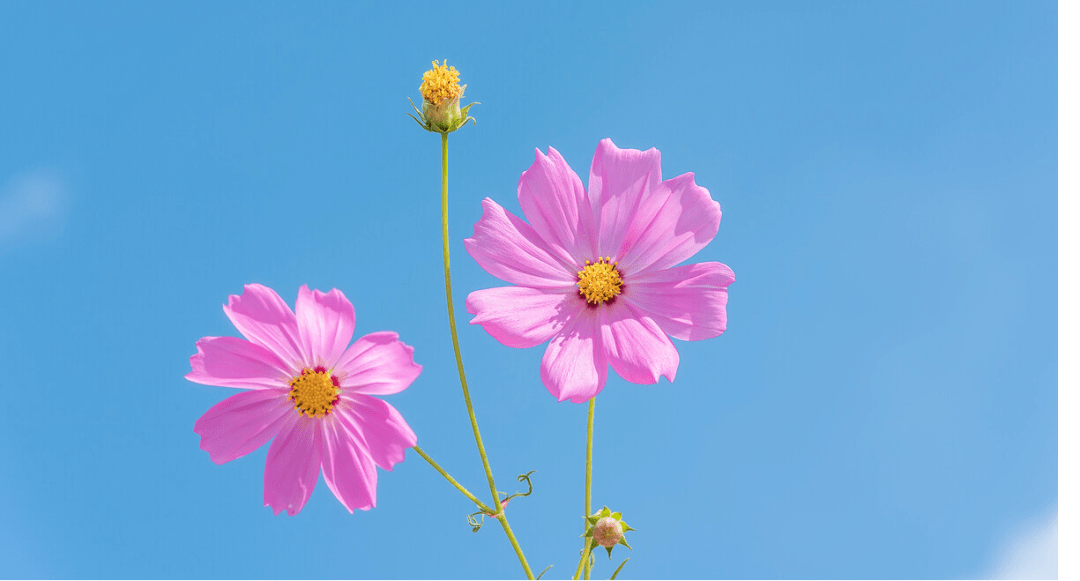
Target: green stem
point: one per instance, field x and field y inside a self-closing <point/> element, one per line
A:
<point x="588" y="475"/>
<point x="584" y="558"/>
<point x="450" y="479"/>
<point x="461" y="367"/>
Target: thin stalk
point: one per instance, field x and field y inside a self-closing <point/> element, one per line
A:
<point x="451" y="480"/>
<point x="461" y="367"/>
<point x="584" y="558"/>
<point x="588" y="476"/>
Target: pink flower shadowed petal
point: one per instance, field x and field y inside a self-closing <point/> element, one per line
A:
<point x="377" y="364"/>
<point x="264" y="319"/>
<point x="234" y="362"/>
<point x="347" y="466"/>
<point x="688" y="302"/>
<point x="242" y="423"/>
<point x="661" y="236"/>
<point x="518" y="316"/>
<point x="292" y="465"/>
<point x="326" y="322"/>
<point x="619" y="181"/>
<point x="555" y="204"/>
<point x="574" y="366"/>
<point x="635" y="346"/>
<point x="383" y="429"/>
<point x="506" y="247"/>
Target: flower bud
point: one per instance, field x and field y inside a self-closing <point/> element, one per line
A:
<point x="442" y="111"/>
<point x="607" y="529"/>
<point x="607" y="532"/>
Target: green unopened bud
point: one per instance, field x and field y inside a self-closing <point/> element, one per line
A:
<point x="442" y="111"/>
<point x="607" y="529"/>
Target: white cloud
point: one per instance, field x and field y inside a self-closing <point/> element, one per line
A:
<point x="1031" y="552"/>
<point x="32" y="208"/>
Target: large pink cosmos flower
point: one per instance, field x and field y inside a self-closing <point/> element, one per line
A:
<point x="596" y="273"/>
<point x="311" y="390"/>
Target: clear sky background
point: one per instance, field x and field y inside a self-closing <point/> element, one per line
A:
<point x="883" y="404"/>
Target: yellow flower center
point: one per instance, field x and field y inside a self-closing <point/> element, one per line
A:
<point x="314" y="392"/>
<point x="440" y="83"/>
<point x="599" y="281"/>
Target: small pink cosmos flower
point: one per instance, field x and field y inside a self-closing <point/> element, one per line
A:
<point x="595" y="272"/>
<point x="311" y="390"/>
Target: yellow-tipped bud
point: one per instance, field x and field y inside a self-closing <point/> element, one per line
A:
<point x="442" y="111"/>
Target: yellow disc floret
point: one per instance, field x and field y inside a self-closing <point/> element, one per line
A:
<point x="314" y="392"/>
<point x="599" y="281"/>
<point x="441" y="83"/>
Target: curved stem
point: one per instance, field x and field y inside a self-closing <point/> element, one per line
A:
<point x="588" y="475"/>
<point x="450" y="479"/>
<point x="461" y="367"/>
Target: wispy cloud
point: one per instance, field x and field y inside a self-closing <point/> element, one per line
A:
<point x="1031" y="552"/>
<point x="32" y="208"/>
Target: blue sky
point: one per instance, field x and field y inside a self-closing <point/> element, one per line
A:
<point x="883" y="404"/>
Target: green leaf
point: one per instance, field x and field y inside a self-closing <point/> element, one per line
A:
<point x="619" y="568"/>
<point x="545" y="571"/>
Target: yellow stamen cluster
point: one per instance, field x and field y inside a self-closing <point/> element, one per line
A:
<point x="441" y="83"/>
<point x="313" y="393"/>
<point x="599" y="281"/>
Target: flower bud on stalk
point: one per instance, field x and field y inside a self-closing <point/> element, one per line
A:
<point x="442" y="111"/>
<point x="607" y="529"/>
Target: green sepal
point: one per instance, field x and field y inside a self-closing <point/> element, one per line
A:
<point x="465" y="112"/>
<point x="592" y="519"/>
<point x="616" y="515"/>
<point x="617" y="569"/>
<point x="625" y="527"/>
<point x="422" y="126"/>
<point x="589" y="532"/>
<point x="414" y="107"/>
<point x="623" y="542"/>
<point x="608" y="553"/>
<point x="605" y="512"/>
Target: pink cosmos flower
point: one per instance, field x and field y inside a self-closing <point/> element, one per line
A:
<point x="596" y="273"/>
<point x="309" y="388"/>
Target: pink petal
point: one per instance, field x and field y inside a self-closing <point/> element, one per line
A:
<point x="384" y="431"/>
<point x="326" y="322"/>
<point x="242" y="423"/>
<point x="688" y="302"/>
<point x="261" y="316"/>
<point x="555" y="204"/>
<point x="234" y="362"/>
<point x="675" y="221"/>
<point x="292" y="465"/>
<point x="377" y="364"/>
<point x="346" y="464"/>
<point x="519" y="316"/>
<point x="618" y="182"/>
<point x="507" y="247"/>
<point x="635" y="346"/>
<point x="573" y="366"/>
